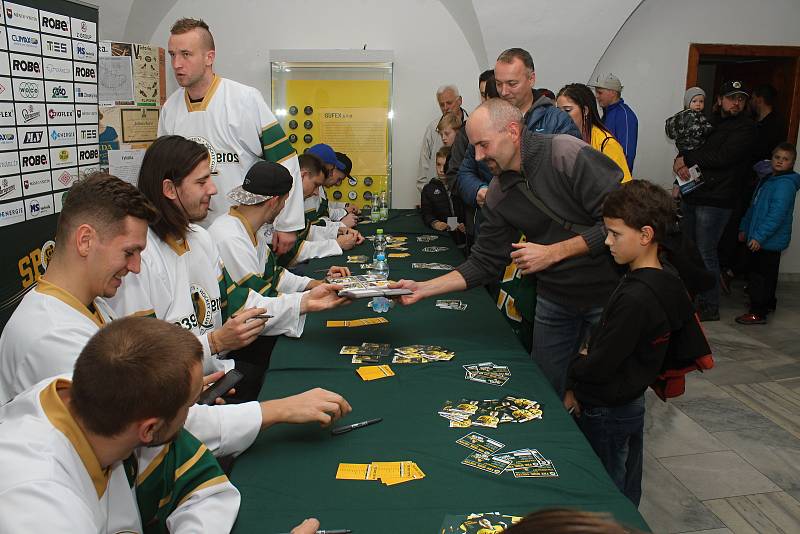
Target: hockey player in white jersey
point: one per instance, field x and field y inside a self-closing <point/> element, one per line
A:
<point x="231" y="120"/>
<point x="317" y="240"/>
<point x="182" y="278"/>
<point x="244" y="248"/>
<point x="107" y="451"/>
<point x="336" y="165"/>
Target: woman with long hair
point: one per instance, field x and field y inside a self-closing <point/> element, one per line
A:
<point x="577" y="100"/>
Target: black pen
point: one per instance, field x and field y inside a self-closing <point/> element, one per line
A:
<point x="347" y="428"/>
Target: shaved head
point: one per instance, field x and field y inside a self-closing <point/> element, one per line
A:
<point x="498" y="113"/>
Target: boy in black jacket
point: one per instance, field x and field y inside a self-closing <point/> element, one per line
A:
<point x="439" y="203"/>
<point x="626" y="351"/>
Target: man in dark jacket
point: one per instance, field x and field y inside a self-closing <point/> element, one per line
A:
<point x="515" y="77"/>
<point x="724" y="160"/>
<point x="574" y="270"/>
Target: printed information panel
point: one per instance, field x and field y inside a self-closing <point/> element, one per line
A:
<point x="48" y="129"/>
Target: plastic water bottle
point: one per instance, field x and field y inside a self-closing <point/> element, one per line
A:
<point x="374" y="210"/>
<point x="381" y="265"/>
<point x="380" y="245"/>
<point x="384" y="206"/>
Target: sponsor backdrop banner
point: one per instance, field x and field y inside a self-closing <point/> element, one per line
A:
<point x="48" y="129"/>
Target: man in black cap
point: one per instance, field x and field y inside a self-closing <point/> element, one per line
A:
<point x="242" y="241"/>
<point x="724" y="160"/>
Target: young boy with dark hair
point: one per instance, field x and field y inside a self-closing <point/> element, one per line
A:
<point x="606" y="385"/>
<point x="766" y="228"/>
<point x="439" y="203"/>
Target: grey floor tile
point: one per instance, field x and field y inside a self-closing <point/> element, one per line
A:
<point x="772" y="450"/>
<point x="670" y="432"/>
<point x="715" y="475"/>
<point x="734" y="372"/>
<point x="712" y="531"/>
<point x="791" y="383"/>
<point x="767" y="513"/>
<point x="718" y="414"/>
<point x="668" y="506"/>
<point x="699" y="387"/>
<point x="778" y="403"/>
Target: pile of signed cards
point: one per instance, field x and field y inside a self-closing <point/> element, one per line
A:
<point x="367" y="352"/>
<point x="491" y="412"/>
<point x="389" y="473"/>
<point x="524" y="463"/>
<point x="427" y="238"/>
<point x="478" y="523"/>
<point x="434" y="249"/>
<point x="450" y="304"/>
<point x="434" y="266"/>
<point x="422" y="354"/>
<point x="487" y="373"/>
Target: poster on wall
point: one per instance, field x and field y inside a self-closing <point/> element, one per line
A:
<point x="48" y="129"/>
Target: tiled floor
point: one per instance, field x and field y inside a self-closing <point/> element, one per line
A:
<point x="725" y="457"/>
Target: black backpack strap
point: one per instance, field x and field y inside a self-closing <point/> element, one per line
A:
<point x="541" y="206"/>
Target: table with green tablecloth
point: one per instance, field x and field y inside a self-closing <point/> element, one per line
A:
<point x="288" y="474"/>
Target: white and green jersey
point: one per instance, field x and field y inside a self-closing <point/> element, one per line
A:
<point x="185" y="282"/>
<point x="248" y="258"/>
<point x="234" y="123"/>
<point x="44" y="336"/>
<point x="53" y="482"/>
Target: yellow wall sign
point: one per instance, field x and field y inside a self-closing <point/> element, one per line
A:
<point x="352" y="117"/>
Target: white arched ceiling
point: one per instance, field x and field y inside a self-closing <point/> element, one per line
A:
<point x="566" y="39"/>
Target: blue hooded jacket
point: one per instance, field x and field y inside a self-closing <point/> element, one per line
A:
<point x="769" y="218"/>
<point x="544" y="118"/>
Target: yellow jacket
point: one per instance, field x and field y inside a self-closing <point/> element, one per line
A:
<point x="605" y="143"/>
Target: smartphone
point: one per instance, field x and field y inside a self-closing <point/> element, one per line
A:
<point x="220" y="387"/>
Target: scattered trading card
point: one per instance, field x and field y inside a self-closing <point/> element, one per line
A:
<point x="494" y="522"/>
<point x="389" y="473"/>
<point x="427" y="238"/>
<point x="399" y="254"/>
<point x="480" y="443"/>
<point x="435" y="249"/>
<point x="490" y="413"/>
<point x="365" y="358"/>
<point x="486" y="462"/>
<point x="357" y="259"/>
<point x="422" y="354"/>
<point x="451" y="305"/>
<point x="374" y="372"/>
<point x="349" y="350"/>
<point x="434" y="266"/>
<point x="487" y="373"/>
<point x="356" y="322"/>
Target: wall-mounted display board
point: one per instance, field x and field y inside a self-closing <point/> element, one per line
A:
<point x="48" y="129"/>
<point x="344" y="99"/>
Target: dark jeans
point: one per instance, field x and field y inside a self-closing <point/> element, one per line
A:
<point x="704" y="225"/>
<point x="616" y="433"/>
<point x="763" y="280"/>
<point x="558" y="333"/>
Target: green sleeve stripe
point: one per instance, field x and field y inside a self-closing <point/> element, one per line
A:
<point x="278" y="152"/>
<point x="271" y="133"/>
<point x="185" y="468"/>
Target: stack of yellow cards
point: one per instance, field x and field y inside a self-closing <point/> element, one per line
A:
<point x="389" y="473"/>
<point x="399" y="254"/>
<point x="357" y="322"/>
<point x="374" y="372"/>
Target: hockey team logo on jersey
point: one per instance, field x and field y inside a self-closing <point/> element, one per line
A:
<point x="204" y="307"/>
<point x="47" y="252"/>
<point x="212" y="152"/>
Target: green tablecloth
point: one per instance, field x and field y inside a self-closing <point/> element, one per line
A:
<point x="289" y="472"/>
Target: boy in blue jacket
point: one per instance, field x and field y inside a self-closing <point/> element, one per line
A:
<point x="767" y="230"/>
